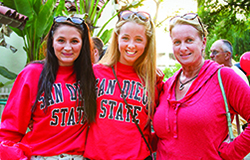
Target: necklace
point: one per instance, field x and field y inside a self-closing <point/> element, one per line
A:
<point x="182" y="84"/>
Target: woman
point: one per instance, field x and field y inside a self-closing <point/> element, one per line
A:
<point x="132" y="54"/>
<point x="190" y="120"/>
<point x="57" y="93"/>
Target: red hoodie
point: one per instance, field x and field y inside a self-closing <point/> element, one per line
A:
<point x="114" y="135"/>
<point x="59" y="130"/>
<point x="195" y="126"/>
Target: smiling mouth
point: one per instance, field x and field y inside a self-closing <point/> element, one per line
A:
<point x="67" y="54"/>
<point x="130" y="53"/>
<point x="186" y="55"/>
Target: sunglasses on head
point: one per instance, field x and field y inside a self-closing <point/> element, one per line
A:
<point x="75" y="20"/>
<point x="144" y="16"/>
<point x="189" y="16"/>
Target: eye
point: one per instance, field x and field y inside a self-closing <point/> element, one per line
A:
<point x="190" y="40"/>
<point x="125" y="38"/>
<point x="75" y="41"/>
<point x="176" y="43"/>
<point x="60" y="40"/>
<point x="139" y="40"/>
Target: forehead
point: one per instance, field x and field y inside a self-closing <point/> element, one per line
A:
<point x="133" y="29"/>
<point x="67" y="30"/>
<point x="183" y="30"/>
<point x="217" y="45"/>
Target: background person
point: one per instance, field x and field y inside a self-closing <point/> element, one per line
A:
<point x="132" y="53"/>
<point x="222" y="52"/>
<point x="57" y="93"/>
<point x="190" y="121"/>
<point x="98" y="49"/>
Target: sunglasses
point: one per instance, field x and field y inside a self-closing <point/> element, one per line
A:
<point x="75" y="20"/>
<point x="189" y="16"/>
<point x="144" y="16"/>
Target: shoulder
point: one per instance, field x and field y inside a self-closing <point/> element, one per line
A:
<point x="228" y="75"/>
<point x="32" y="69"/>
<point x="227" y="72"/>
<point x="240" y="73"/>
<point x="100" y="67"/>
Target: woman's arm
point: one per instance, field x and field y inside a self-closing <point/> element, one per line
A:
<point x="238" y="96"/>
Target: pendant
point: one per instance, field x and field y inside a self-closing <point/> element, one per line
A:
<point x="181" y="87"/>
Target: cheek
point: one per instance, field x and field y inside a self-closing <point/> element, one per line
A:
<point x="175" y="48"/>
<point x="121" y="45"/>
<point x="78" y="47"/>
<point x="142" y="47"/>
<point x="57" y="46"/>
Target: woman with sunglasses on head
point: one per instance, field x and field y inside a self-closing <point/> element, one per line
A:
<point x="191" y="121"/>
<point x="128" y="65"/>
<point x="58" y="94"/>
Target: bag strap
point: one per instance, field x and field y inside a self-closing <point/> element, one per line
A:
<point x="130" y="111"/>
<point x="229" y="124"/>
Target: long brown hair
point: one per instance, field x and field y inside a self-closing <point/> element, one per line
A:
<point x="85" y="78"/>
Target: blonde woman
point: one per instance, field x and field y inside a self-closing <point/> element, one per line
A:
<point x="190" y="120"/>
<point x="132" y="54"/>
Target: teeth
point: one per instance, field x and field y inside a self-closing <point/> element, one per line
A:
<point x="131" y="52"/>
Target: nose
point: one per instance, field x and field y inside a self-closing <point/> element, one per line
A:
<point x="67" y="46"/>
<point x="183" y="47"/>
<point x="131" y="44"/>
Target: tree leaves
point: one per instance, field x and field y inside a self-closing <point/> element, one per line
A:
<point x="6" y="73"/>
<point x="227" y="20"/>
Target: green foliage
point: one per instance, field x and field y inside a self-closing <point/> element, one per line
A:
<point x="41" y="14"/>
<point x="40" y="20"/>
<point x="7" y="74"/>
<point x="228" y="20"/>
<point x="91" y="13"/>
<point x="169" y="72"/>
<point x="106" y="35"/>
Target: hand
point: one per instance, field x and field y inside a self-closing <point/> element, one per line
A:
<point x="30" y="126"/>
<point x="159" y="75"/>
<point x="10" y="150"/>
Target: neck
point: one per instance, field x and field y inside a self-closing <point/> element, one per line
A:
<point x="191" y="71"/>
<point x="229" y="64"/>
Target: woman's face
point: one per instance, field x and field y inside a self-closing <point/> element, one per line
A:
<point x="67" y="43"/>
<point x="132" y="41"/>
<point x="187" y="45"/>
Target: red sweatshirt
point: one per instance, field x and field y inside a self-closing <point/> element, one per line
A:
<point x="115" y="135"/>
<point x="59" y="130"/>
<point x="195" y="126"/>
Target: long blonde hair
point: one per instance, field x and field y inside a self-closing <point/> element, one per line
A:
<point x="145" y="65"/>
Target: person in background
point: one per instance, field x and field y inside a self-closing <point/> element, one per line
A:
<point x="190" y="121"/>
<point x="132" y="55"/>
<point x="57" y="93"/>
<point x="98" y="49"/>
<point x="222" y="52"/>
